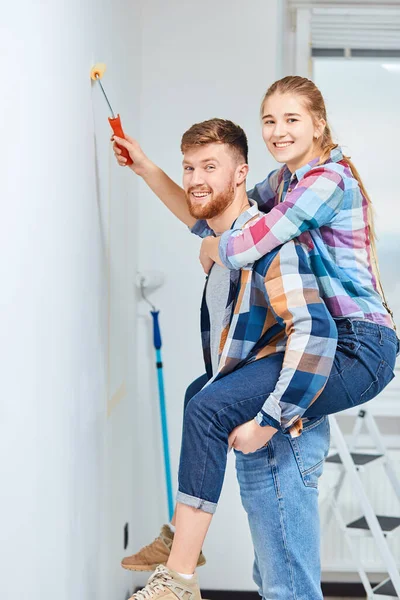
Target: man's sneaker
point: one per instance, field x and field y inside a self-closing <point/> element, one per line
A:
<point x="156" y="553"/>
<point x="165" y="584"/>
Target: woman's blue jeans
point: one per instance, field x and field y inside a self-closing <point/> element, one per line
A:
<point x="363" y="366"/>
<point x="279" y="483"/>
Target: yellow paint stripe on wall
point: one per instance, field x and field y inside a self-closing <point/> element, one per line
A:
<point x="116" y="398"/>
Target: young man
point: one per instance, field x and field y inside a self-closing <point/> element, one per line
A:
<point x="269" y="344"/>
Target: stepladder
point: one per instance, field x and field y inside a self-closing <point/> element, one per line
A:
<point x="351" y="463"/>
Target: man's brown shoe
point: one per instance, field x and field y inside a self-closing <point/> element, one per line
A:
<point x="156" y="553"/>
<point x="166" y="584"/>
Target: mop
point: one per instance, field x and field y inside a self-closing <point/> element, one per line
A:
<point x="161" y="393"/>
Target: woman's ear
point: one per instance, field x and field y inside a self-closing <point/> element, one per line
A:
<point x="319" y="128"/>
<point x="241" y="173"/>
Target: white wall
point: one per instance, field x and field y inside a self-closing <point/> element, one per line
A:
<point x="67" y="312"/>
<point x="199" y="60"/>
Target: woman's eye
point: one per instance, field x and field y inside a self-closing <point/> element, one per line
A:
<point x="292" y="120"/>
<point x="268" y="122"/>
<point x="210" y="167"/>
<point x="188" y="169"/>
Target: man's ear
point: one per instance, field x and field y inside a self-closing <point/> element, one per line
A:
<point x="241" y="173"/>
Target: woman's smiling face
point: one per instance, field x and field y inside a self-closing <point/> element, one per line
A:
<point x="289" y="131"/>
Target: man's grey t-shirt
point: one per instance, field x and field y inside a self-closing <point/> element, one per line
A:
<point x="216" y="298"/>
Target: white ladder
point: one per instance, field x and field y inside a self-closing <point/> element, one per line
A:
<point x="379" y="527"/>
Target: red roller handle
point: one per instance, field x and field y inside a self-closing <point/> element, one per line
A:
<point x="119" y="132"/>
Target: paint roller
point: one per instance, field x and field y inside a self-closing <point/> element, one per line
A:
<point x="96" y="74"/>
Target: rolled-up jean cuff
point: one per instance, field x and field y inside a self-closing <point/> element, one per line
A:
<point x="204" y="505"/>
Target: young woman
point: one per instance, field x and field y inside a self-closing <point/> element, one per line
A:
<point x="319" y="191"/>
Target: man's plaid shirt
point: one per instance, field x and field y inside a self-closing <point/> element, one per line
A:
<point x="274" y="306"/>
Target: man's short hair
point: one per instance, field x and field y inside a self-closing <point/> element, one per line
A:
<point x="217" y="131"/>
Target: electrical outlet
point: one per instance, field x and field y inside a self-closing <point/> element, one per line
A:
<point x="126" y="536"/>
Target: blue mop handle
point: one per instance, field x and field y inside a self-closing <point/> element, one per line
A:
<point x="163" y="410"/>
<point x="156" y="330"/>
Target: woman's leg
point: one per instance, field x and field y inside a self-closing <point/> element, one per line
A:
<point x="209" y="418"/>
<point x="191" y="529"/>
<point x="193" y="389"/>
<point x="363" y="366"/>
<point x="279" y="491"/>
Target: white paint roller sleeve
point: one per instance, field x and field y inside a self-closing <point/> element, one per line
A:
<point x="150" y="280"/>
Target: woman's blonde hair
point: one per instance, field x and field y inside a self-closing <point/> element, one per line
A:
<point x="316" y="106"/>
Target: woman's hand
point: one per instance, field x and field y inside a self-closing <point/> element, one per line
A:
<point x="209" y="253"/>
<point x="250" y="436"/>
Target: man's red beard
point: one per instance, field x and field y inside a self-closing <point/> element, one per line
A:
<point x="214" y="207"/>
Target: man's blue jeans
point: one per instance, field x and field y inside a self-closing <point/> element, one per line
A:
<point x="278" y="488"/>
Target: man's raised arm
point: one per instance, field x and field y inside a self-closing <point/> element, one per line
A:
<point x="171" y="194"/>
